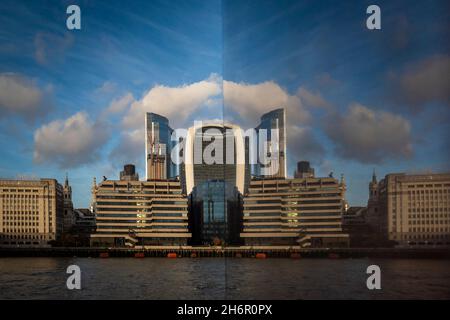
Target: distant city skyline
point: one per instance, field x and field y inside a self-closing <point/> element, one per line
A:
<point x="356" y="100"/>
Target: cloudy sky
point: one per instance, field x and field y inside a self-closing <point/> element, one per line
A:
<point x="356" y="100"/>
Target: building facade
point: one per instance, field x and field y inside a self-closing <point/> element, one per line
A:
<point x="129" y="173"/>
<point x="68" y="213"/>
<point x="214" y="185"/>
<point x="228" y="162"/>
<point x="411" y="209"/>
<point x="304" y="170"/>
<point x="140" y="213"/>
<point x="158" y="147"/>
<point x="273" y="122"/>
<point x="31" y="212"/>
<point x="304" y="211"/>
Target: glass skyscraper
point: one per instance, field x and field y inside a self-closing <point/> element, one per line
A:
<point x="273" y="120"/>
<point x="158" y="146"/>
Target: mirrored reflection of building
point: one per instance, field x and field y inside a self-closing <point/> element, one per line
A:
<point x="216" y="218"/>
<point x="304" y="211"/>
<point x="273" y="122"/>
<point x="227" y="161"/>
<point x="158" y="146"/>
<point x="214" y="184"/>
<point x="140" y="213"/>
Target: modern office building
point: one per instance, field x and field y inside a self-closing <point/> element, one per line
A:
<point x="303" y="211"/>
<point x="215" y="214"/>
<point x="158" y="147"/>
<point x="214" y="184"/>
<point x="273" y="122"/>
<point x="228" y="161"/>
<point x="411" y="209"/>
<point x="31" y="212"/>
<point x="140" y="213"/>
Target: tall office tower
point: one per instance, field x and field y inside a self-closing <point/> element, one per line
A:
<point x="129" y="173"/>
<point x="158" y="146"/>
<point x="229" y="165"/>
<point x="304" y="170"/>
<point x="31" y="212"/>
<point x="304" y="211"/>
<point x="275" y="147"/>
<point x="411" y="209"/>
<point x="214" y="184"/>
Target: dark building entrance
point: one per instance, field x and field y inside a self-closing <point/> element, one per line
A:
<point x="215" y="214"/>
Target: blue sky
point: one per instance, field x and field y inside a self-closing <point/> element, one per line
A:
<point x="70" y="101"/>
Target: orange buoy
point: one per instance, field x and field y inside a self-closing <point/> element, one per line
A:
<point x="333" y="256"/>
<point x="193" y="255"/>
<point x="295" y="255"/>
<point x="171" y="255"/>
<point x="238" y="255"/>
<point x="139" y="255"/>
<point x="104" y="255"/>
<point x="261" y="256"/>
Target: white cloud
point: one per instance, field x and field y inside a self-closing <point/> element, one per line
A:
<point x="21" y="96"/>
<point x="311" y="99"/>
<point x="120" y="104"/>
<point x="70" y="142"/>
<point x="250" y="101"/>
<point x="175" y="103"/>
<point x="369" y="136"/>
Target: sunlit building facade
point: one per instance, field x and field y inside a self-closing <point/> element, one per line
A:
<point x="31" y="212"/>
<point x="158" y="147"/>
<point x="303" y="211"/>
<point x="140" y="213"/>
<point x="273" y="122"/>
<point x="411" y="209"/>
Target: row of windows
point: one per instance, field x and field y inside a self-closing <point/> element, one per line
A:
<point x="16" y="217"/>
<point x="20" y="223"/>
<point x="21" y="230"/>
<point x="437" y="229"/>
<point x="143" y="215"/>
<point x="20" y="190"/>
<point x="100" y="227"/>
<point x="413" y="222"/>
<point x="411" y="186"/>
<point x="33" y="236"/>
<point x="432" y="209"/>
<point x="418" y="210"/>
<point x="138" y="210"/>
<point x="105" y="203"/>
<point x="142" y="221"/>
<point x="27" y="196"/>
<point x="422" y="216"/>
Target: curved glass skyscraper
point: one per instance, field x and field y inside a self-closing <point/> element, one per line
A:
<point x="158" y="146"/>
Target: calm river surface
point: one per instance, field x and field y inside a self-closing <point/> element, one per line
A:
<point x="217" y="278"/>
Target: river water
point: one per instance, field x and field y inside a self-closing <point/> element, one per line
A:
<point x="219" y="278"/>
